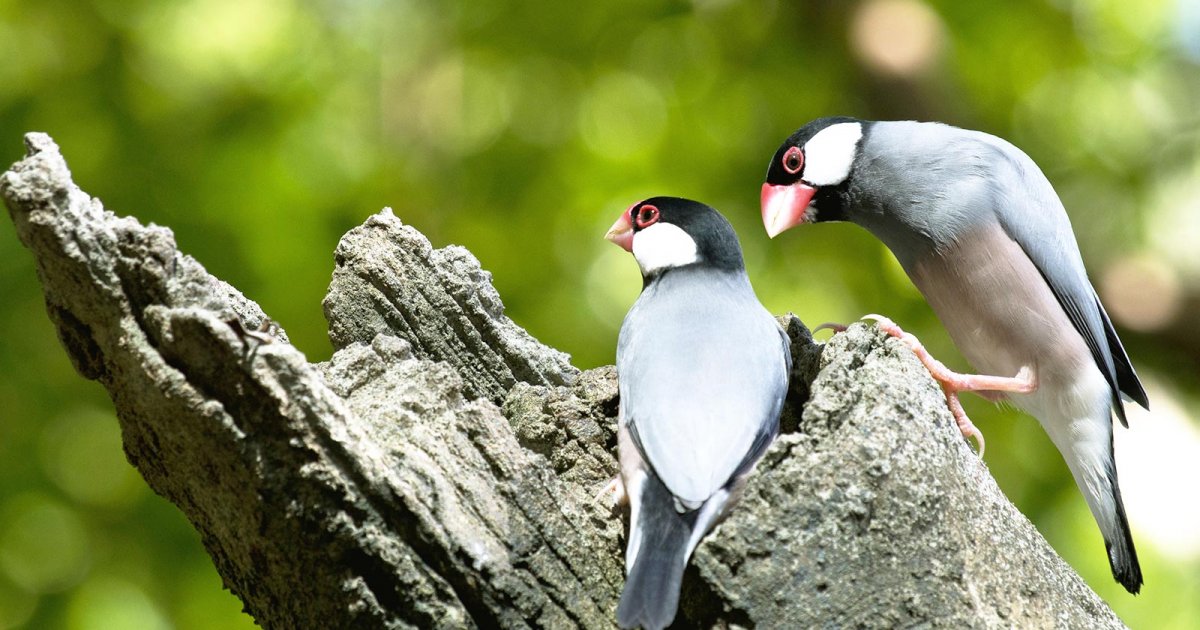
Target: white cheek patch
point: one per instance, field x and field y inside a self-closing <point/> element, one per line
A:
<point x="829" y="155"/>
<point x="663" y="245"/>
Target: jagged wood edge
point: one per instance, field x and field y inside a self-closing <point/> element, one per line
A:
<point x="309" y="518"/>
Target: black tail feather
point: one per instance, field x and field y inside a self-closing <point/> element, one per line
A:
<point x="1122" y="557"/>
<point x="651" y="594"/>
<point x="1128" y="382"/>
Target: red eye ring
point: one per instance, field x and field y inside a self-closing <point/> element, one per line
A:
<point x="793" y="160"/>
<point x="647" y="215"/>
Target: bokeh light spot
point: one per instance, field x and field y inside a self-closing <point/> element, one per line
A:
<point x="43" y="544"/>
<point x="113" y="604"/>
<point x="679" y="55"/>
<point x="1114" y="29"/>
<point x="898" y="38"/>
<point x="623" y="116"/>
<point x="1142" y="292"/>
<point x="191" y="46"/>
<point x="235" y="33"/>
<point x="81" y="451"/>
<point x="544" y="112"/>
<point x="1173" y="225"/>
<point x="461" y="107"/>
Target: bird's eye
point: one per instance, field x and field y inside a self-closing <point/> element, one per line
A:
<point x="793" y="160"/>
<point x="647" y="215"/>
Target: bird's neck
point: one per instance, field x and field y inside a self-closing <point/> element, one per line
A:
<point x="696" y="275"/>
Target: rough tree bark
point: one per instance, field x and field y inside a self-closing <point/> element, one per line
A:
<point x="439" y="470"/>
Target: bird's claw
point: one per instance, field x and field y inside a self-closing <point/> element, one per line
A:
<point x="834" y="326"/>
<point x="616" y="489"/>
<point x="890" y="327"/>
<point x="965" y="426"/>
<point x="950" y="381"/>
<point x="880" y="319"/>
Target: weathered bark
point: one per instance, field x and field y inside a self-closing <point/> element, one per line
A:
<point x="439" y="470"/>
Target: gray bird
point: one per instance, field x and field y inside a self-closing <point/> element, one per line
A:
<point x="982" y="234"/>
<point x="703" y="371"/>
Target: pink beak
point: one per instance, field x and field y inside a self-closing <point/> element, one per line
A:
<point x="621" y="232"/>
<point x="784" y="207"/>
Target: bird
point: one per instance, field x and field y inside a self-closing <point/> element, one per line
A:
<point x="702" y="371"/>
<point x="982" y="234"/>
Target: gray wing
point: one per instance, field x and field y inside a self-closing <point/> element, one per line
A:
<point x="702" y="376"/>
<point x="1031" y="213"/>
<point x="765" y="438"/>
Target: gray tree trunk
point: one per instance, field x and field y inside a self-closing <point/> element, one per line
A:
<point x="440" y="469"/>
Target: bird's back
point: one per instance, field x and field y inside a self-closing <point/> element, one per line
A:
<point x="710" y="364"/>
<point x="921" y="186"/>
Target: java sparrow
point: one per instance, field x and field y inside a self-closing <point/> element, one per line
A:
<point x="702" y="370"/>
<point x="982" y="234"/>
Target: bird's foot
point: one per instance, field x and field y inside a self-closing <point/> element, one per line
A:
<point x="834" y="326"/>
<point x="965" y="426"/>
<point x="992" y="388"/>
<point x="950" y="380"/>
<point x="615" y="488"/>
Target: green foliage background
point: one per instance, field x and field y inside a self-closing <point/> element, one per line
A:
<point x="261" y="130"/>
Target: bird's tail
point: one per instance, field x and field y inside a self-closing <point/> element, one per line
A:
<point x="1089" y="454"/>
<point x="1118" y="540"/>
<point x="661" y="539"/>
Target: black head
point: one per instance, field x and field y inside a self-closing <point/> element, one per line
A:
<point x="669" y="232"/>
<point x="781" y="171"/>
<point x="810" y="171"/>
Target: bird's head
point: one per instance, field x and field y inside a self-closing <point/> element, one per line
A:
<point x="665" y="233"/>
<point x="808" y="171"/>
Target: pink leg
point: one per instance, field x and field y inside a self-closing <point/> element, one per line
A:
<point x="965" y="426"/>
<point x="990" y="387"/>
